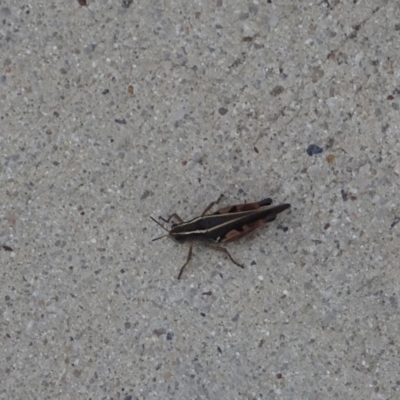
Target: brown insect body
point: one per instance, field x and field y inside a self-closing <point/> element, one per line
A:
<point x="225" y="225"/>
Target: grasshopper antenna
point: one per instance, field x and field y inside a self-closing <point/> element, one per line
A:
<point x="153" y="240"/>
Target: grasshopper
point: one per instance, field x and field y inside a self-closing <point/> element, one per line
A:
<point x="223" y="226"/>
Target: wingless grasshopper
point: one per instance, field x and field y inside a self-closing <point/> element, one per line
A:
<point x="225" y="225"/>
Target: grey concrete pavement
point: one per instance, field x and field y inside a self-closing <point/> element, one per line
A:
<point x="120" y="110"/>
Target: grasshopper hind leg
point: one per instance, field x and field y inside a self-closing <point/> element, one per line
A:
<point x="224" y="250"/>
<point x="212" y="247"/>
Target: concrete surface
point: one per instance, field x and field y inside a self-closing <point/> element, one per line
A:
<point x="121" y="110"/>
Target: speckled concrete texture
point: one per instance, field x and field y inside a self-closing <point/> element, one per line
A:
<point x="115" y="111"/>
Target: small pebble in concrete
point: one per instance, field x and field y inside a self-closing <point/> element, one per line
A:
<point x="313" y="149"/>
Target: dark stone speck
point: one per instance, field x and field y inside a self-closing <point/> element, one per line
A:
<point x="159" y="332"/>
<point x="313" y="149"/>
<point x="126" y="3"/>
